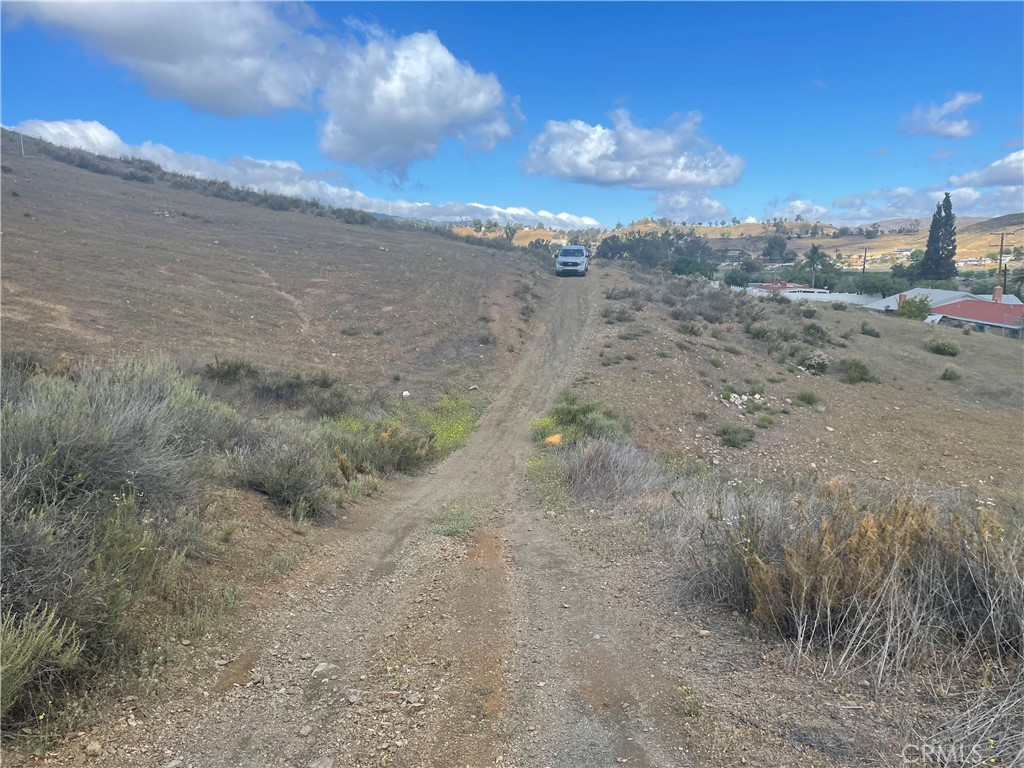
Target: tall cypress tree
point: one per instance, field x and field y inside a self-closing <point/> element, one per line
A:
<point x="938" y="262"/>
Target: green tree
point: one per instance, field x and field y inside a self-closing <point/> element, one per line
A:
<point x="1016" y="278"/>
<point x="816" y="259"/>
<point x="774" y="250"/>
<point x="917" y="308"/>
<point x="939" y="262"/>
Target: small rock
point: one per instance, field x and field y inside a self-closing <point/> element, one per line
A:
<point x="305" y="730"/>
<point x="94" y="749"/>
<point x="323" y="668"/>
<point x="703" y="633"/>
<point x="221" y="662"/>
<point x="473" y="387"/>
<point x="550" y="514"/>
<point x="406" y="393"/>
<point x="186" y="641"/>
<point x="322" y="762"/>
<point x="175" y="763"/>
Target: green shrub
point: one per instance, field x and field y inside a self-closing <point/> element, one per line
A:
<point x="917" y="308"/>
<point x="808" y="312"/>
<point x="732" y="349"/>
<point x="855" y="371"/>
<point x="230" y="370"/>
<point x="950" y="374"/>
<point x="33" y="648"/>
<point x="807" y="397"/>
<point x="816" y="361"/>
<point x="716" y="362"/>
<point x="488" y="339"/>
<point x="97" y="505"/>
<point x="575" y="419"/>
<point x="735" y="437"/>
<point x="603" y="469"/>
<point x="691" y="329"/>
<point x="942" y="347"/>
<point x="814" y="334"/>
<point x="868" y="330"/>
<point x="290" y="466"/>
<point x="764" y="421"/>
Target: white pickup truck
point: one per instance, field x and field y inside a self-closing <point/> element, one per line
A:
<point x="572" y="260"/>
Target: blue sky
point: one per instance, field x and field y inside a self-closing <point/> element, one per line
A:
<point x="572" y="114"/>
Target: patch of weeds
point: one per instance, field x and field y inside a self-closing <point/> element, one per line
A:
<point x="869" y="330"/>
<point x="734" y="436"/>
<point x="549" y="479"/>
<point x="701" y="415"/>
<point x="280" y="564"/>
<point x="350" y="330"/>
<point x="687" y="703"/>
<point x="839" y="306"/>
<point x="808" y="312"/>
<point x="807" y="397"/>
<point x="456" y="519"/>
<point x="716" y="362"/>
<point x="322" y="380"/>
<point x="942" y="347"/>
<point x="614" y="315"/>
<point x="575" y="419"/>
<point x="690" y="329"/>
<point x="488" y="339"/>
<point x="230" y="370"/>
<point x="396" y="377"/>
<point x="662" y="354"/>
<point x="527" y="311"/>
<point x="950" y="374"/>
<point x="449" y="423"/>
<point x="752" y="406"/>
<point x="378" y="331"/>
<point x="684" y="346"/>
<point x="764" y="421"/>
<point x="856" y="371"/>
<point x="848" y="334"/>
<point x="732" y="349"/>
<point x="629" y="356"/>
<point x="633" y="334"/>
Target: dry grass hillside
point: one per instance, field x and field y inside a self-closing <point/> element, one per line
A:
<point x="97" y="265"/>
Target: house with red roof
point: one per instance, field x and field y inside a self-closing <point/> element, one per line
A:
<point x="986" y="316"/>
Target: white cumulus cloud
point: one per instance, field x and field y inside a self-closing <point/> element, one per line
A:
<point x="907" y="202"/>
<point x="799" y="207"/>
<point x="689" y="206"/>
<point x="946" y="119"/>
<point x="387" y="101"/>
<point x="82" y="134"/>
<point x="1007" y="172"/>
<point x="393" y="101"/>
<point x="676" y="157"/>
<point x="287" y="177"/>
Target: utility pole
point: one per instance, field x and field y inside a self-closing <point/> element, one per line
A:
<point x="1002" y="238"/>
<point x="864" y="264"/>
